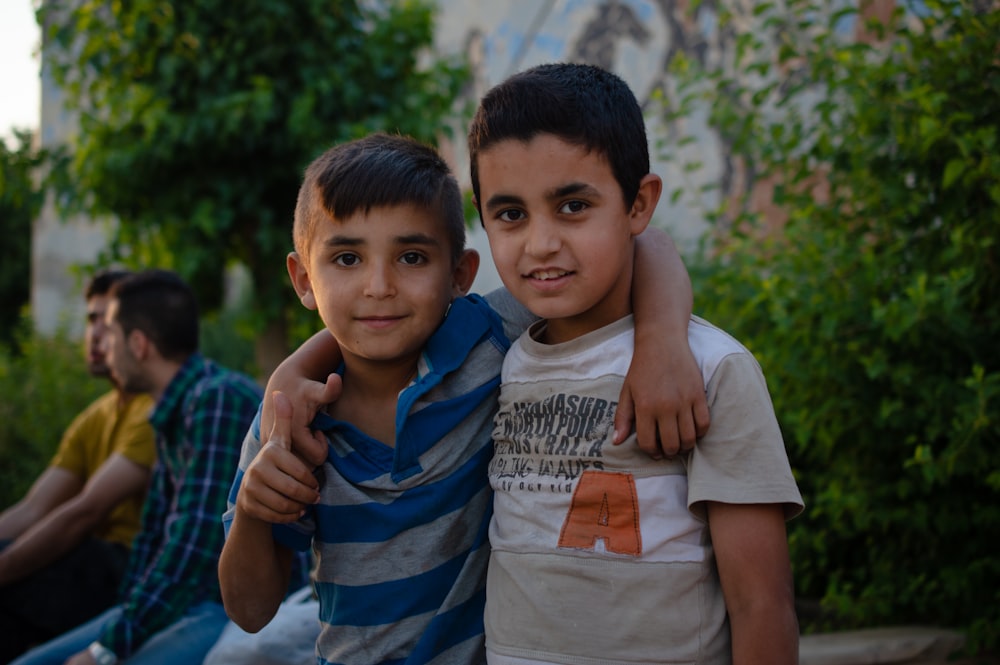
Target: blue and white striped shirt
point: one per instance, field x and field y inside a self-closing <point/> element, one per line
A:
<point x="401" y="533"/>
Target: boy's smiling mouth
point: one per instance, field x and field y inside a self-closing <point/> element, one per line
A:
<point x="546" y="274"/>
<point x="379" y="321"/>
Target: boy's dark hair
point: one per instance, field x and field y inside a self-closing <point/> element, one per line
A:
<point x="581" y="104"/>
<point x="102" y="281"/>
<point x="375" y="171"/>
<point x="163" y="306"/>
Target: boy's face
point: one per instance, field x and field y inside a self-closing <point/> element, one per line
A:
<point x="560" y="234"/>
<point x="382" y="280"/>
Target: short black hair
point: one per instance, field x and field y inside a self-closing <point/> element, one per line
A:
<point x="378" y="170"/>
<point x="102" y="281"/>
<point x="161" y="305"/>
<point x="581" y="104"/>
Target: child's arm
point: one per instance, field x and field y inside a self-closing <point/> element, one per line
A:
<point x="307" y="376"/>
<point x="254" y="570"/>
<point x="664" y="392"/>
<point x="751" y="551"/>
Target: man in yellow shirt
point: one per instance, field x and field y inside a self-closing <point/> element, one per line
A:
<point x="64" y="546"/>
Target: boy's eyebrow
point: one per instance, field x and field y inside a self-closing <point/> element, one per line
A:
<point x="498" y="200"/>
<point x="559" y="192"/>
<point x="417" y="239"/>
<point x="336" y="241"/>
<point x="411" y="239"/>
<point x="572" y="188"/>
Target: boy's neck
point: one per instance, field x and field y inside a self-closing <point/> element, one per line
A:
<point x="561" y="330"/>
<point x="370" y="393"/>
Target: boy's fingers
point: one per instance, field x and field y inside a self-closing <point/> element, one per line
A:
<point x="668" y="440"/>
<point x="277" y="483"/>
<point x="702" y="416"/>
<point x="646" y="437"/>
<point x="686" y="430"/>
<point x="624" y="415"/>
<point x="281" y="430"/>
<point x="331" y="389"/>
<point x="310" y="446"/>
<point x="270" y="506"/>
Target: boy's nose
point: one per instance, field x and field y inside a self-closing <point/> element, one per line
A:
<point x="543" y="238"/>
<point x="380" y="283"/>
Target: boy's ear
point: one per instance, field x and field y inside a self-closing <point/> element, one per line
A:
<point x="300" y="279"/>
<point x="464" y="273"/>
<point x="650" y="188"/>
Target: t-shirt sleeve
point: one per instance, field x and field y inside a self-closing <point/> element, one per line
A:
<point x="742" y="459"/>
<point x="69" y="455"/>
<point x="516" y="317"/>
<point x="72" y="451"/>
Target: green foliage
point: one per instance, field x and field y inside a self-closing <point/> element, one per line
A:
<point x="43" y="387"/>
<point x="874" y="309"/>
<point x="20" y="201"/>
<point x="197" y="119"/>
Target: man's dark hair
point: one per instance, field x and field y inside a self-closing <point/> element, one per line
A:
<point x="581" y="104"/>
<point x="375" y="171"/>
<point x="161" y="305"/>
<point x="102" y="281"/>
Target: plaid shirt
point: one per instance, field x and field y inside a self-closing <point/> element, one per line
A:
<point x="200" y="422"/>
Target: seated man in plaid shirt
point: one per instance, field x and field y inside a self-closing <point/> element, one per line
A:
<point x="170" y="610"/>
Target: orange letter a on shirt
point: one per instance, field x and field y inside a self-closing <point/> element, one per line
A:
<point x="604" y="505"/>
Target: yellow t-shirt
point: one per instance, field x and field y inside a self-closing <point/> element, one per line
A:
<point x="101" y="430"/>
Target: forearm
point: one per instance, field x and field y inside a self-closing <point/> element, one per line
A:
<point x="765" y="634"/>
<point x="751" y="551"/>
<point x="661" y="288"/>
<point x="53" y="488"/>
<point x="46" y="541"/>
<point x="315" y="359"/>
<point x="254" y="573"/>
<point x="15" y="521"/>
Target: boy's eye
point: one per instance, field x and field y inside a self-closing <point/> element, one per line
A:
<point x="573" y="206"/>
<point x="412" y="258"/>
<point x="347" y="259"/>
<point x="511" y="215"/>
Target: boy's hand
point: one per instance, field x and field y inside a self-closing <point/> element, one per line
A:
<point x="309" y="398"/>
<point x="666" y="401"/>
<point x="278" y="484"/>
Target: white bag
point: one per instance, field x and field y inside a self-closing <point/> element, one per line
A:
<point x="289" y="638"/>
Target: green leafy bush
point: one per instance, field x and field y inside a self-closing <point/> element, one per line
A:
<point x="42" y="388"/>
<point x="20" y="200"/>
<point x="874" y="309"/>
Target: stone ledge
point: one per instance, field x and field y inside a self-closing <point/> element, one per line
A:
<point x="912" y="645"/>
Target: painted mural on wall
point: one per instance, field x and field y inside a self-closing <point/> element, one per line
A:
<point x="635" y="38"/>
<point x="638" y="39"/>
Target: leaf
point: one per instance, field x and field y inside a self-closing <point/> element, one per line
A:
<point x="952" y="172"/>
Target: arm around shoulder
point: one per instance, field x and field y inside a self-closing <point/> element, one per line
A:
<point x="664" y="390"/>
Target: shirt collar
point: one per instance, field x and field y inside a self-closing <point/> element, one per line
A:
<point x="189" y="373"/>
